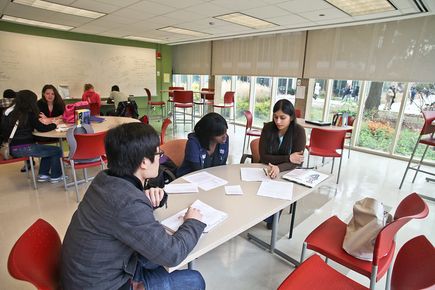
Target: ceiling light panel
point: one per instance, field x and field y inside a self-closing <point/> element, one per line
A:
<point x="143" y="38"/>
<point x="182" y="31"/>
<point x="246" y="20"/>
<point x="35" y="23"/>
<point x="60" y="8"/>
<point x="362" y="7"/>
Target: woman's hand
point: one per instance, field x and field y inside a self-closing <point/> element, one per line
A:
<point x="45" y="120"/>
<point x="273" y="171"/>
<point x="155" y="195"/>
<point x="297" y="157"/>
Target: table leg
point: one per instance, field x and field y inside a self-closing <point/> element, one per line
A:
<point x="292" y="220"/>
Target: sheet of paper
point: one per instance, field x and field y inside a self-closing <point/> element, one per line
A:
<point x="181" y="187"/>
<point x="276" y="189"/>
<point x="210" y="216"/>
<point x="305" y="177"/>
<point x="253" y="174"/>
<point x="233" y="190"/>
<point x="205" y="180"/>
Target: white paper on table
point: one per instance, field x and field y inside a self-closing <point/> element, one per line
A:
<point x="205" y="180"/>
<point x="253" y="174"/>
<point x="233" y="190"/>
<point x="181" y="187"/>
<point x="305" y="177"/>
<point x="276" y="189"/>
<point x="210" y="216"/>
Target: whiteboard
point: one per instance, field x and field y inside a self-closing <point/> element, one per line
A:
<point x="30" y="62"/>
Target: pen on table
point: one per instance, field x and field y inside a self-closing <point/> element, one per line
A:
<point x="265" y="171"/>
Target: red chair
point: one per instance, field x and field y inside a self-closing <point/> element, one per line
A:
<point x="183" y="100"/>
<point x="153" y="104"/>
<point x="90" y="152"/>
<point x="325" y="143"/>
<point x="426" y="138"/>
<point x="327" y="240"/>
<point x="174" y="149"/>
<point x="228" y="104"/>
<point x="171" y="97"/>
<point x="144" y="119"/>
<point x="26" y="160"/>
<point x="298" y="113"/>
<point x="35" y="257"/>
<point x="350" y="121"/>
<point x="248" y="129"/>
<point x="165" y="124"/>
<point x="413" y="269"/>
<point x="207" y="98"/>
<point x="255" y="152"/>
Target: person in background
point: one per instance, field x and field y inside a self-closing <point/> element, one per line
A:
<point x="8" y="99"/>
<point x="116" y="96"/>
<point x="282" y="142"/>
<point x="113" y="240"/>
<point x="207" y="146"/>
<point x="23" y="144"/>
<point x="51" y="105"/>
<point x="93" y="98"/>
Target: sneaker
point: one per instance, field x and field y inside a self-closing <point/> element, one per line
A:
<point x="43" y="178"/>
<point x="57" y="179"/>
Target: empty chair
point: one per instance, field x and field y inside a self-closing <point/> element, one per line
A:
<point x="426" y="138"/>
<point x="171" y="97"/>
<point x="326" y="143"/>
<point x="206" y="98"/>
<point x="90" y="152"/>
<point x="228" y="104"/>
<point x="35" y="257"/>
<point x="248" y="129"/>
<point x="166" y="122"/>
<point x="152" y="104"/>
<point x="413" y="269"/>
<point x="27" y="160"/>
<point x="255" y="152"/>
<point x="174" y="149"/>
<point x="183" y="100"/>
<point x="298" y="113"/>
<point x="327" y="240"/>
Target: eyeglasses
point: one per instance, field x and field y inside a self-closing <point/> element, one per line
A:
<point x="160" y="153"/>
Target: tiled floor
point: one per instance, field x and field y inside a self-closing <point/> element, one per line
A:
<point x="237" y="264"/>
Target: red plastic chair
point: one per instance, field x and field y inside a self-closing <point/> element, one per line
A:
<point x="95" y="109"/>
<point x="153" y="104"/>
<point x="35" y="257"/>
<point x="174" y="149"/>
<point x="298" y="113"/>
<point x="327" y="240"/>
<point x="325" y="143"/>
<point x="144" y="119"/>
<point x="228" y="104"/>
<point x="426" y="138"/>
<point x="171" y="97"/>
<point x="183" y="100"/>
<point x="255" y="152"/>
<point x="165" y="124"/>
<point x="413" y="269"/>
<point x="248" y="129"/>
<point x="207" y="98"/>
<point x="89" y="146"/>
<point x="21" y="159"/>
<point x="350" y="121"/>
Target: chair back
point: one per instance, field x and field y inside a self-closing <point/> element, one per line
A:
<point x="209" y="97"/>
<point x="414" y="265"/>
<point x="95" y="109"/>
<point x="148" y="92"/>
<point x="327" y="139"/>
<point x="89" y="146"/>
<point x="171" y="94"/>
<point x="165" y="124"/>
<point x="185" y="97"/>
<point x="35" y="257"/>
<point x="229" y="98"/>
<point x="428" y="127"/>
<point x="249" y="119"/>
<point x="411" y="207"/>
<point x="174" y="149"/>
<point x="298" y="113"/>
<point x="255" y="150"/>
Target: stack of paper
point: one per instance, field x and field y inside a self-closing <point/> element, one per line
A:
<point x="210" y="216"/>
<point x="253" y="174"/>
<point x="205" y="180"/>
<point x="181" y="187"/>
<point x="305" y="177"/>
<point x="276" y="189"/>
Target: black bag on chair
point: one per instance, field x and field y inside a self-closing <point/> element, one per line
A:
<point x="127" y="109"/>
<point x="167" y="173"/>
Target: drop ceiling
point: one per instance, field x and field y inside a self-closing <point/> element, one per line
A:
<point x="144" y="18"/>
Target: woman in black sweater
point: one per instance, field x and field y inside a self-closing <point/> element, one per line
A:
<point x="51" y="105"/>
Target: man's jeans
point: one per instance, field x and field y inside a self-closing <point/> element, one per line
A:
<point x="50" y="157"/>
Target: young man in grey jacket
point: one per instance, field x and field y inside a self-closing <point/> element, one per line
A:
<point x="113" y="240"/>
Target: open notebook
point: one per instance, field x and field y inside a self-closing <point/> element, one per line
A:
<point x="210" y="216"/>
<point x="305" y="177"/>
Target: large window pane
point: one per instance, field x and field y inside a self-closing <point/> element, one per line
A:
<point x="263" y="95"/>
<point x="420" y="97"/>
<point x="196" y="83"/>
<point x="243" y="85"/>
<point x="344" y="99"/>
<point x="179" y="81"/>
<point x="286" y="89"/>
<point x="318" y="100"/>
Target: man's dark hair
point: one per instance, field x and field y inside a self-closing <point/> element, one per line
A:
<point x="9" y="94"/>
<point x="211" y="125"/>
<point x="127" y="145"/>
<point x="115" y="88"/>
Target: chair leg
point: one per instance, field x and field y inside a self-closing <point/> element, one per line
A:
<point x="234" y="118"/>
<point x="348" y="149"/>
<point x="85" y="174"/>
<point x="326" y="260"/>
<point x="388" y="281"/>
<point x="332" y="167"/>
<point x="419" y="164"/>
<point x="373" y="277"/>
<point x="75" y="181"/>
<point x="339" y="167"/>
<point x="32" y="169"/>
<point x="304" y="247"/>
<point x="244" y="143"/>
<point x="308" y="160"/>
<point x="193" y="119"/>
<point x="63" y="172"/>
<point x="409" y="162"/>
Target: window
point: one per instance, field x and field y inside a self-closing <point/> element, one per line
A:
<point x="243" y="86"/>
<point x="286" y="89"/>
<point x="344" y="99"/>
<point x="263" y="95"/>
<point x="318" y="100"/>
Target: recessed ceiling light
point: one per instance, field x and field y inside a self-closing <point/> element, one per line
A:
<point x="36" y="23"/>
<point x="143" y="38"/>
<point x="362" y="7"/>
<point x="246" y="20"/>
<point x="183" y="31"/>
<point x="60" y="8"/>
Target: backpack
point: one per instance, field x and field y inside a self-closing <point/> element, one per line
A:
<point x="167" y="173"/>
<point x="127" y="109"/>
<point x="68" y="114"/>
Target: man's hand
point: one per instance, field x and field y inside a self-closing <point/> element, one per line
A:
<point x="193" y="213"/>
<point x="297" y="157"/>
<point x="155" y="195"/>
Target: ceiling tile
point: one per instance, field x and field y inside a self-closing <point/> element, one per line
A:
<point x="330" y="13"/>
<point x="180" y="4"/>
<point x="296" y="6"/>
<point x="95" y="6"/>
<point x="289" y="20"/>
<point x="266" y="12"/>
<point x="208" y="9"/>
<point x="238" y="5"/>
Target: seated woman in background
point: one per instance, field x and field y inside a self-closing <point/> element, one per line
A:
<point x="282" y="141"/>
<point x="26" y="112"/>
<point x="207" y="146"/>
<point x="51" y="105"/>
<point x="93" y="98"/>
